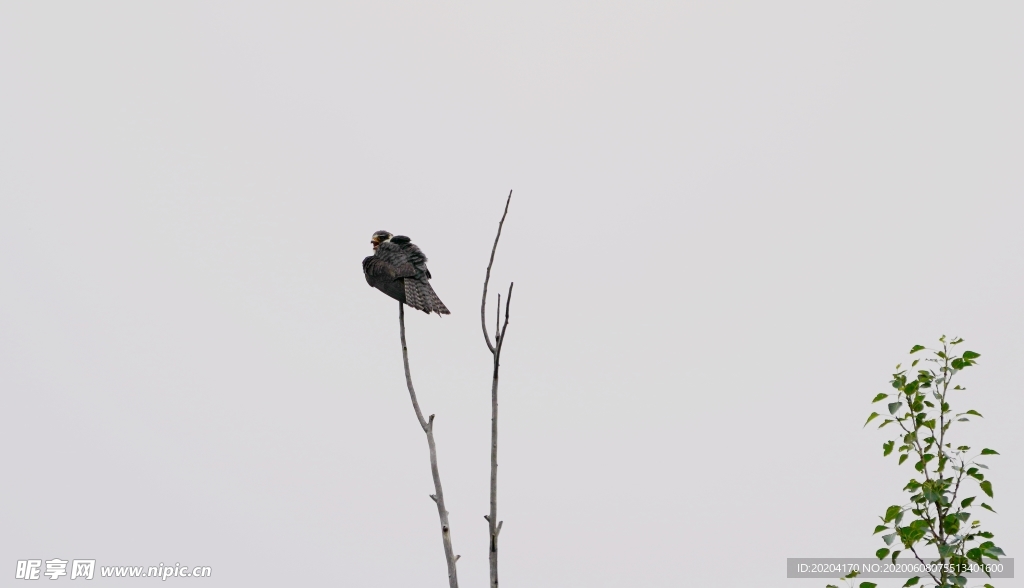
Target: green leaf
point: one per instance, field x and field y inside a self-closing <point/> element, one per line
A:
<point x="870" y="418"/>
<point x="879" y="529"/>
<point x="959" y="364"/>
<point x="880" y="396"/>
<point x="917" y="348"/>
<point x="950" y="524"/>
<point x="903" y="458"/>
<point x="966" y="502"/>
<point x="891" y="512"/>
<point x="988" y="451"/>
<point x="986" y="487"/>
<point x="881" y="553"/>
<point x="895" y="554"/>
<point x="974" y="412"/>
<point x="868" y="585"/>
<point x="912" y="581"/>
<point x="993" y="550"/>
<point x="971" y="355"/>
<point x="887" y="448"/>
<point x="913" y="532"/>
<point x="886" y="422"/>
<point x="894" y="406"/>
<point x="888" y="540"/>
<point x="987" y="507"/>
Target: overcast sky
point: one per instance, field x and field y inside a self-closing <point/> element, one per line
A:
<point x="730" y="222"/>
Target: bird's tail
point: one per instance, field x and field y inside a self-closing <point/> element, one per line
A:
<point x="421" y="296"/>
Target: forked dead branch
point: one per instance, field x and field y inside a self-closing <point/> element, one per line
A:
<point x="493" y="524"/>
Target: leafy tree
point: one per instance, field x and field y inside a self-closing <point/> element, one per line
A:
<point x="936" y="516"/>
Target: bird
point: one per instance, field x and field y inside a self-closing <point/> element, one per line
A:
<point x="398" y="268"/>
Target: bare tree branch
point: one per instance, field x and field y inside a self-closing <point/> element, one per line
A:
<point x="487" y="278"/>
<point x="494" y="525"/>
<point x="428" y="428"/>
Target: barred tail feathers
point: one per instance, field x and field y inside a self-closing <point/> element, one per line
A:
<point x="435" y="302"/>
<point x="419" y="295"/>
<point x="412" y="295"/>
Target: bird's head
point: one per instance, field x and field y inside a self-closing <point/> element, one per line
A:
<point x="380" y="237"/>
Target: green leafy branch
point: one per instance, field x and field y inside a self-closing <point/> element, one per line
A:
<point x="935" y="514"/>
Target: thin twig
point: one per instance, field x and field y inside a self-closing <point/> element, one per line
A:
<point x="926" y="567"/>
<point x="408" y="374"/>
<point x="501" y="339"/>
<point x="428" y="428"/>
<point x="487" y="278"/>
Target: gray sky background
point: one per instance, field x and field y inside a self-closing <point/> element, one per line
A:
<point x="730" y="221"/>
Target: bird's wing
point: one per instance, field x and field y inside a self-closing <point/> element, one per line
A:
<point x="376" y="268"/>
<point x="396" y="259"/>
<point x="414" y="255"/>
<point x="381" y="275"/>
